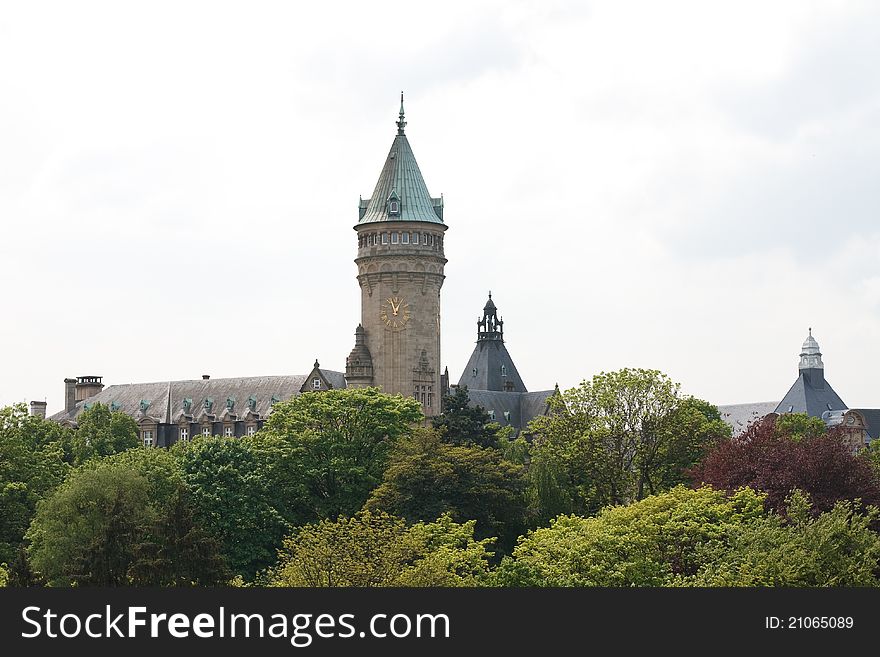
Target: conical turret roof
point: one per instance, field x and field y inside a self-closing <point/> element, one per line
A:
<point x="401" y="180"/>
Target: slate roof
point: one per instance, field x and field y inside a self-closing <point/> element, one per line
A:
<point x="522" y="407"/>
<point x="335" y="379"/>
<point x="804" y="397"/>
<point x="166" y="398"/>
<point x="402" y="177"/>
<point x="487" y="359"/>
<point x="872" y="418"/>
<point x="740" y="416"/>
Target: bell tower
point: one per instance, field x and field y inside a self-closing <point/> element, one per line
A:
<point x="400" y="265"/>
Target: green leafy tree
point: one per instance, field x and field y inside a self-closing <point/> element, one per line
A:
<point x="233" y="500"/>
<point x="616" y="439"/>
<point x="85" y="533"/>
<point x="4" y="575"/>
<point x="648" y="543"/>
<point x="340" y="441"/>
<point x="178" y="550"/>
<point x="463" y="424"/>
<point x="101" y="432"/>
<point x="115" y="520"/>
<point x="375" y="549"/>
<point x="837" y="548"/>
<point x="428" y="477"/>
<point x="798" y="426"/>
<point x="31" y="465"/>
<point x="280" y="463"/>
<point x="872" y="453"/>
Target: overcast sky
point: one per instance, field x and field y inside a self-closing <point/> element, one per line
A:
<point x="686" y="186"/>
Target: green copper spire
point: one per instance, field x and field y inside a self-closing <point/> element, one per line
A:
<point x="401" y="182"/>
<point x="401" y="124"/>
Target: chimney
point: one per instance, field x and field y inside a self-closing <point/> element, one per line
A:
<point x="69" y="394"/>
<point x="87" y="386"/>
<point x="38" y="409"/>
<point x="205" y="377"/>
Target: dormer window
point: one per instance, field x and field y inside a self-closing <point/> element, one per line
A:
<point x="316" y="383"/>
<point x="394" y="204"/>
<point x="474" y="371"/>
<point x="503" y="370"/>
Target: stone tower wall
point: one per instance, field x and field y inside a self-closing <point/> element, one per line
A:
<point x="412" y="274"/>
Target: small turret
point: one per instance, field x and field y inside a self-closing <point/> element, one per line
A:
<point x="490" y="327"/>
<point x="811" y="365"/>
<point x="359" y="364"/>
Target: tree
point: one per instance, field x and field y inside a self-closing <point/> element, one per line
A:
<point x="648" y="543"/>
<point x="798" y="426"/>
<point x="85" y="533"/>
<point x="178" y="550"/>
<point x="115" y="520"/>
<point x="31" y="465"/>
<point x="768" y="458"/>
<point x="101" y="432"/>
<point x="280" y="463"/>
<point x="376" y="549"/>
<point x="463" y="424"/>
<point x="837" y="548"/>
<point x="233" y="500"/>
<point x="341" y="440"/>
<point x="615" y="439"/>
<point x="428" y="477"/>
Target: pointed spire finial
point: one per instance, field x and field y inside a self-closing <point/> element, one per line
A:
<point x="490" y="294"/>
<point x="810" y="330"/>
<point x="401" y="123"/>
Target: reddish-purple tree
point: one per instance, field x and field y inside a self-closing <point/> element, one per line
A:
<point x="770" y="460"/>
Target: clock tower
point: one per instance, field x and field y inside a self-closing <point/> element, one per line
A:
<point x="400" y="271"/>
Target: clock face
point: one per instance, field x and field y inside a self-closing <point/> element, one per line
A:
<point x="395" y="312"/>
